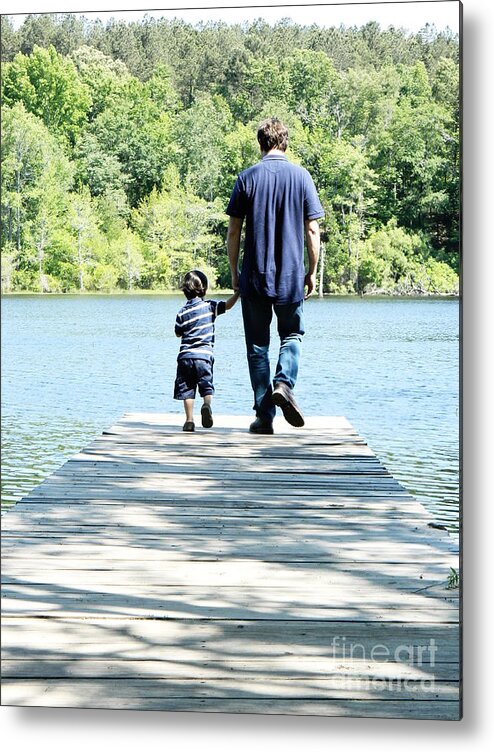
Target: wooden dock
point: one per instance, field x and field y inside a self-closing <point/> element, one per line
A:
<point x="223" y="571"/>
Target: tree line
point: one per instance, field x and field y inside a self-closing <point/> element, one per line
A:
<point x="121" y="144"/>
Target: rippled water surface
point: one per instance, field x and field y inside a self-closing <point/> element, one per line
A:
<point x="72" y="365"/>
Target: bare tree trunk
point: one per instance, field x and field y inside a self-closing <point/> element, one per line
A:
<point x="18" y="235"/>
<point x="18" y="212"/>
<point x="7" y="268"/>
<point x="129" y="266"/>
<point x="349" y="242"/>
<point x="41" y="253"/>
<point x="338" y="122"/>
<point x="79" y="258"/>
<point x="360" y="214"/>
<point x="351" y="255"/>
<point x="321" y="271"/>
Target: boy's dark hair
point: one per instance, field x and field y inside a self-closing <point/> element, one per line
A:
<point x="195" y="284"/>
<point x="272" y="134"/>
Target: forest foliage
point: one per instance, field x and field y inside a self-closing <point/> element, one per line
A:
<point x="121" y="144"/>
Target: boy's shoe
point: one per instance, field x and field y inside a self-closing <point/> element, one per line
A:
<point x="206" y="416"/>
<point x="189" y="426"/>
<point x="261" y="426"/>
<point x="283" y="397"/>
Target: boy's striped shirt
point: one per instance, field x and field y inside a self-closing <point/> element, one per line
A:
<point x="195" y="324"/>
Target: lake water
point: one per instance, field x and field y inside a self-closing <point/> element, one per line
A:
<point x="72" y="365"/>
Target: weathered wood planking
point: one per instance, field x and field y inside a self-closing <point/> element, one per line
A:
<point x="222" y="571"/>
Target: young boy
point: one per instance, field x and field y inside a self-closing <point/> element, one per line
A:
<point x="195" y="325"/>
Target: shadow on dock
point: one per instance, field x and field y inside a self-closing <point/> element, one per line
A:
<point x="229" y="572"/>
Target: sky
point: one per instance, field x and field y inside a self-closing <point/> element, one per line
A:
<point x="411" y="16"/>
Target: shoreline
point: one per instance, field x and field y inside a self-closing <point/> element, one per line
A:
<point x="225" y="291"/>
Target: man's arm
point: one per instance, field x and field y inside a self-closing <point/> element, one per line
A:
<point x="233" y="246"/>
<point x="313" y="238"/>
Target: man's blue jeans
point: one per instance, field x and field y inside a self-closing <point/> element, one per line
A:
<point x="257" y="314"/>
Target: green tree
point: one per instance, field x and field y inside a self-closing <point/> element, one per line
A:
<point x="97" y="168"/>
<point x="363" y="102"/>
<point x="175" y="227"/>
<point x="49" y="87"/>
<point x="65" y="31"/>
<point x="102" y="75"/>
<point x="37" y="30"/>
<point x="127" y="256"/>
<point x="112" y="210"/>
<point x="445" y="89"/>
<point x="347" y="184"/>
<point x="386" y="255"/>
<point x="36" y="176"/>
<point x="161" y="90"/>
<point x="414" y="158"/>
<point x="184" y="53"/>
<point x="310" y="79"/>
<point x="139" y="135"/>
<point x="123" y="44"/>
<point x="8" y="38"/>
<point x="162" y="115"/>
<point x="85" y="231"/>
<point x="201" y="131"/>
<point x="264" y="81"/>
<point x="51" y="197"/>
<point x="240" y="151"/>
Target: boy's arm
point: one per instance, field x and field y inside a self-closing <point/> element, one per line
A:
<point x="232" y="300"/>
<point x="223" y="306"/>
<point x="178" y="326"/>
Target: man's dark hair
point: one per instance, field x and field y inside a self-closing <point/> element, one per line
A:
<point x="195" y="284"/>
<point x="272" y="134"/>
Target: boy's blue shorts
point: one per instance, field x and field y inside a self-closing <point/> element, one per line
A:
<point x="192" y="374"/>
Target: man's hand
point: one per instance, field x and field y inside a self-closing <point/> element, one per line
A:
<point x="235" y="281"/>
<point x="310" y="284"/>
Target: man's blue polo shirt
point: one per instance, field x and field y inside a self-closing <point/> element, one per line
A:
<point x="275" y="197"/>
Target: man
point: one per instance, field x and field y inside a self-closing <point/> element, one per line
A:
<point x="279" y="203"/>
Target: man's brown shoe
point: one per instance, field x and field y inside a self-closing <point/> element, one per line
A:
<point x="261" y="426"/>
<point x="283" y="397"/>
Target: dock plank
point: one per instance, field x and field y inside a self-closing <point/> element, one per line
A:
<point x="281" y="574"/>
